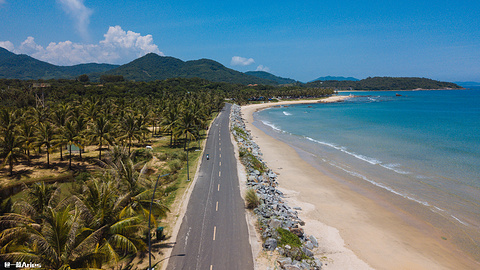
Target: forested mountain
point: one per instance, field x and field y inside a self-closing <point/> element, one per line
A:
<point x="385" y="83"/>
<point x="269" y="76"/>
<point x="24" y="67"/>
<point x="335" y="78"/>
<point x="153" y="67"/>
<point x="150" y="67"/>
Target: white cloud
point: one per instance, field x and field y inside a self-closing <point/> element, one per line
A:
<point x="79" y="13"/>
<point x="263" y="68"/>
<point x="241" y="61"/>
<point x="7" y="45"/>
<point x="117" y="47"/>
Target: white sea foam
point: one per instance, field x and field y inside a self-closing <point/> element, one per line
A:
<point x="286" y="113"/>
<point x="272" y="126"/>
<point x="344" y="150"/>
<point x="394" y="167"/>
<point x="457" y="219"/>
<point x="380" y="185"/>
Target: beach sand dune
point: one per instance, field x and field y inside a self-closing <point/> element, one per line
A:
<point x="354" y="231"/>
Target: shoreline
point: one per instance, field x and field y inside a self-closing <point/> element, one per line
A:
<point x="355" y="229"/>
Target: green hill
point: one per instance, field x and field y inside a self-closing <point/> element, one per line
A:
<point x="335" y="78"/>
<point x="24" y="67"/>
<point x="385" y="83"/>
<point x="155" y="67"/>
<point x="269" y="76"/>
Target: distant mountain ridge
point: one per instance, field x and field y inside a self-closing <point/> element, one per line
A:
<point x="269" y="76"/>
<point x="155" y="67"/>
<point x="335" y="78"/>
<point x="24" y="67"/>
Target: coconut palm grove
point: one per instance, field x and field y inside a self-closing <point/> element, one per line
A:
<point x="79" y="161"/>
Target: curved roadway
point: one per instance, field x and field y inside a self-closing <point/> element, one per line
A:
<point x="214" y="234"/>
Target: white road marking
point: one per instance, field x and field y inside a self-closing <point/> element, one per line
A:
<point x="214" y="232"/>
<point x="216" y="208"/>
<point x="211" y="267"/>
<point x="218" y="189"/>
<point x="219" y="173"/>
<point x="220" y="164"/>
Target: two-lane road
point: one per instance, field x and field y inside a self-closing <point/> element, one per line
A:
<point x="214" y="234"/>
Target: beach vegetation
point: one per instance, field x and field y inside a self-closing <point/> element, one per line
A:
<point x="288" y="238"/>
<point x="252" y="198"/>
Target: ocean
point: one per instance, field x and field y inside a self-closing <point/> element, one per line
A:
<point x="422" y="147"/>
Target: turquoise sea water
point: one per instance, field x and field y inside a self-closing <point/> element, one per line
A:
<point x="423" y="146"/>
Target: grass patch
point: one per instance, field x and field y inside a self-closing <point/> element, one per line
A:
<point x="247" y="157"/>
<point x="288" y="238"/>
<point x="252" y="198"/>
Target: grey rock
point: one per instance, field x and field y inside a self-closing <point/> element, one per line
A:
<point x="270" y="244"/>
<point x="309" y="245"/>
<point x="307" y="252"/>
<point x="291" y="267"/>
<point x="318" y="263"/>
<point x="284" y="261"/>
<point x="313" y="240"/>
<point x="275" y="223"/>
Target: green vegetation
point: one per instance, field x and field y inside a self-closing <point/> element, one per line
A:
<point x="288" y="238"/>
<point x="252" y="198"/>
<point x="247" y="157"/>
<point x="271" y="77"/>
<point x="96" y="199"/>
<point x="27" y="68"/>
<point x="384" y="83"/>
<point x="153" y="67"/>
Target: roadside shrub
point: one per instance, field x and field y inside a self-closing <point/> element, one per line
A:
<point x="175" y="165"/>
<point x="252" y="199"/>
<point x="142" y="155"/>
<point x="288" y="238"/>
<point x="162" y="156"/>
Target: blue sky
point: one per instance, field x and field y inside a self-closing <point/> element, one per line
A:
<point x="305" y="40"/>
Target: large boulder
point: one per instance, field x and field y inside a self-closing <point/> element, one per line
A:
<point x="270" y="244"/>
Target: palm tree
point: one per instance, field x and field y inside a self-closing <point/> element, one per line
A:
<point x="130" y="129"/>
<point x="60" y="117"/>
<point x="28" y="136"/>
<point x="81" y="126"/>
<point x="100" y="132"/>
<point x="40" y="116"/>
<point x="68" y="134"/>
<point x="45" y="138"/>
<point x="170" y="119"/>
<point x="11" y="149"/>
<point x="188" y="125"/>
<point x="58" y="242"/>
<point x="131" y="182"/>
<point x="104" y="208"/>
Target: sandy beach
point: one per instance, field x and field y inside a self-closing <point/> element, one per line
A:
<point x="354" y="231"/>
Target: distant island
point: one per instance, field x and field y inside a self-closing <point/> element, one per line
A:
<point x="335" y="78"/>
<point x="385" y="83"/>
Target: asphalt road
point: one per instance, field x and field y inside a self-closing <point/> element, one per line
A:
<point x="214" y="234"/>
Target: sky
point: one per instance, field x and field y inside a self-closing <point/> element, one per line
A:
<point x="302" y="40"/>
